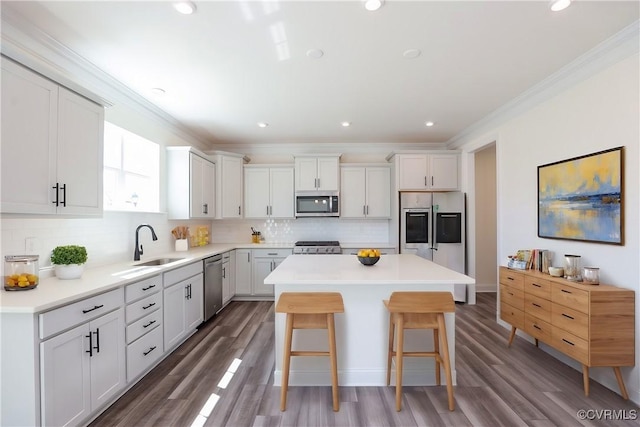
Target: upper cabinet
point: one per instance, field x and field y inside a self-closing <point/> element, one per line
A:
<point x="268" y="192"/>
<point x="365" y="192"/>
<point x="317" y="173"/>
<point x="229" y="178"/>
<point x="52" y="146"/>
<point x="190" y="184"/>
<point x="434" y="171"/>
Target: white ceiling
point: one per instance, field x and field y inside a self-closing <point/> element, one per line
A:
<point x="235" y="63"/>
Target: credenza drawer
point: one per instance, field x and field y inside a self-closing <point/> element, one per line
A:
<point x="570" y="320"/>
<point x="537" y="287"/>
<point x="513" y="297"/>
<point x="570" y="297"/>
<point x="538" y="307"/>
<point x="537" y="328"/>
<point x="511" y="315"/>
<point x="511" y="278"/>
<point x="570" y="345"/>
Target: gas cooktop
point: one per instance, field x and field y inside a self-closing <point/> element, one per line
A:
<point x="317" y="247"/>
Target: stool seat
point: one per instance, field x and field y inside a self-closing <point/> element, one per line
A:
<point x="310" y="310"/>
<point x="419" y="310"/>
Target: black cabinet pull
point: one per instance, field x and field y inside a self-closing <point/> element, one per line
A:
<point x="56" y="187"/>
<point x="94" y="308"/>
<point x="205" y="208"/>
<point x="148" y="287"/>
<point x="149" y="351"/>
<point x="64" y="195"/>
<point x="536" y="305"/>
<point x="510" y="278"/>
<point x="149" y="306"/>
<point x="97" y="347"/>
<point x="90" y="351"/>
<point x="568" y="342"/>
<point x="536" y="285"/>
<point x="565" y="291"/>
<point x="537" y="327"/>
<point x="149" y="324"/>
<point x="567" y="316"/>
<point x="224" y="272"/>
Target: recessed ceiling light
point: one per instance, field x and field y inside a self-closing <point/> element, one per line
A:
<point x="315" y="53"/>
<point x="558" y="5"/>
<point x="158" y="91"/>
<point x="373" y="5"/>
<point x="411" y="53"/>
<point x="429" y="124"/>
<point x="345" y="124"/>
<point x="185" y="7"/>
<point x="263" y="124"/>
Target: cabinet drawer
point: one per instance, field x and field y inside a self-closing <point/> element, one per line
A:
<point x="570" y="320"/>
<point x="570" y="345"/>
<point x="512" y="315"/>
<point x="511" y="278"/>
<point x="143" y="353"/>
<point x="538" y="287"/>
<point x="144" y="325"/>
<point x="511" y="296"/>
<point x="570" y="297"/>
<point x="143" y="307"/>
<point x="271" y="253"/>
<point x="62" y="318"/>
<point x="538" y="307"/>
<point x="537" y="328"/>
<point x="179" y="274"/>
<point x="143" y="288"/>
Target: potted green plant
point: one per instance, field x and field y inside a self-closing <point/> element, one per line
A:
<point x="69" y="261"/>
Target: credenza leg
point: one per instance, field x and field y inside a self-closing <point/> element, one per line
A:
<point x="536" y="342"/>
<point x="585" y="379"/>
<point x="623" y="389"/>
<point x="512" y="336"/>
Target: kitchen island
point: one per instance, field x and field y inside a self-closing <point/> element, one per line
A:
<point x="362" y="331"/>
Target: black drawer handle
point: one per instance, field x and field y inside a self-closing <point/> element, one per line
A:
<point x="510" y="293"/>
<point x="565" y="291"/>
<point x="149" y="351"/>
<point x="537" y="327"/>
<point x="148" y="287"/>
<point x="536" y="305"/>
<point x="568" y="342"/>
<point x="94" y="308"/>
<point x="536" y="285"/>
<point x="149" y="306"/>
<point x="510" y="278"/>
<point x="566" y="315"/>
<point x="149" y="324"/>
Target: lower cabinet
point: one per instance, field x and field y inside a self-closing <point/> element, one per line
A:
<point x="264" y="262"/>
<point x="82" y="369"/>
<point x="183" y="303"/>
<point x="228" y="276"/>
<point x="244" y="276"/>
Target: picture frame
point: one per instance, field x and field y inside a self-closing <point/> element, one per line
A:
<point x="582" y="198"/>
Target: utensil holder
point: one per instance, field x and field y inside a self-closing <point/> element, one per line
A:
<point x="182" y="245"/>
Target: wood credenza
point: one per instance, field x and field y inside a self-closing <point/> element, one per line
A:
<point x="593" y="324"/>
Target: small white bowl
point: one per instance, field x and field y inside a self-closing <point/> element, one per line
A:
<point x="556" y="271"/>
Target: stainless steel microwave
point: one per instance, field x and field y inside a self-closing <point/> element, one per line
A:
<point x="317" y="203"/>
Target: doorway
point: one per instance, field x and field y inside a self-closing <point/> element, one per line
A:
<point x="486" y="239"/>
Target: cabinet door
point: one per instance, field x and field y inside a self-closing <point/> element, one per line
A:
<point x="282" y="193"/>
<point x="378" y="190"/>
<point x="29" y="137"/>
<point x="261" y="269"/>
<point x="243" y="272"/>
<point x="306" y="173"/>
<point x="444" y="171"/>
<point x="232" y="274"/>
<point x="231" y="187"/>
<point x="108" y="365"/>
<point x="79" y="155"/>
<point x="174" y="317"/>
<point x="65" y="377"/>
<point x="353" y="197"/>
<point x="329" y="174"/>
<point x="209" y="189"/>
<point x="413" y="171"/>
<point x="194" y="302"/>
<point x="197" y="208"/>
<point x="256" y="192"/>
<point x="226" y="282"/>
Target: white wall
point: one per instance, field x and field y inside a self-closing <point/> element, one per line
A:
<point x="598" y="113"/>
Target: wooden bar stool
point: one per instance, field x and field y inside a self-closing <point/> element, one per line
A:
<point x="419" y="310"/>
<point x="310" y="310"/>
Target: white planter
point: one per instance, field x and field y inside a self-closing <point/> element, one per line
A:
<point x="70" y="271"/>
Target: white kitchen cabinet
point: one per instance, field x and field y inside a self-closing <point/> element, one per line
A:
<point x="317" y="173"/>
<point x="269" y="192"/>
<point x="52" y="146"/>
<point x="365" y="192"/>
<point x="191" y="184"/>
<point x="264" y="262"/>
<point x="421" y="171"/>
<point x="82" y="369"/>
<point x="227" y="278"/>
<point x="183" y="303"/>
<point x="229" y="178"/>
<point x="244" y="275"/>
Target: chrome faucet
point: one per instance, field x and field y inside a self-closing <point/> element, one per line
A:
<point x="138" y="251"/>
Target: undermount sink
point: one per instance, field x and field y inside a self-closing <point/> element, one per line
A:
<point x="159" y="261"/>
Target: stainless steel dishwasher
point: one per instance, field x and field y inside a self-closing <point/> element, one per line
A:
<point x="212" y="286"/>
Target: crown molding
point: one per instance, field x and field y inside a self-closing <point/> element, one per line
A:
<point x="621" y="45"/>
<point x="297" y="148"/>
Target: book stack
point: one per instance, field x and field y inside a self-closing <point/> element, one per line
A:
<point x="539" y="259"/>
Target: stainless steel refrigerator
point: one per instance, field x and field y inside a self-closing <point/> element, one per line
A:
<point x="432" y="225"/>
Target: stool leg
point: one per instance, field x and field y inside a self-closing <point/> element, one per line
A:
<point x="334" y="361"/>
<point x="399" y="357"/>
<point x="445" y="359"/>
<point x="390" y="349"/>
<point x="288" y="336"/>
<point x="436" y="349"/>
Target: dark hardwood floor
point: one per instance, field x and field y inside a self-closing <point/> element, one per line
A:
<point x="497" y="386"/>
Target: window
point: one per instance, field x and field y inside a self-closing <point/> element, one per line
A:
<point x="131" y="171"/>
